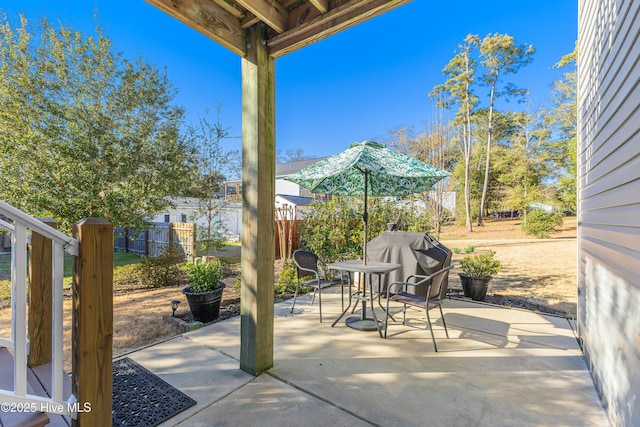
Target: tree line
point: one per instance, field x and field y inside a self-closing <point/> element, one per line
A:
<point x="85" y="131"/>
<point x="502" y="160"/>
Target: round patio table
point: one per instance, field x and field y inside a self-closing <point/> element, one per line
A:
<point x="362" y="322"/>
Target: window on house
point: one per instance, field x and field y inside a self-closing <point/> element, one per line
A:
<point x="183" y="218"/>
<point x="166" y="218"/>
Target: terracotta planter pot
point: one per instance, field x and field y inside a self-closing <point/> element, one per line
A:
<point x="204" y="306"/>
<point x="474" y="287"/>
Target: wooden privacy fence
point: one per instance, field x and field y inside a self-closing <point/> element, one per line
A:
<point x="295" y="236"/>
<point x="155" y="240"/>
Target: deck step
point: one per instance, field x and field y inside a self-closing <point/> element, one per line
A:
<point x="40" y="379"/>
<point x="39" y="384"/>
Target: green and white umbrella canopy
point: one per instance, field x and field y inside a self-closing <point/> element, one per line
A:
<point x="368" y="168"/>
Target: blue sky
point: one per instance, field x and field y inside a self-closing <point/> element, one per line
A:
<point x="356" y="85"/>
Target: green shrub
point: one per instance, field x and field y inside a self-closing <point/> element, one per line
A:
<point x="541" y="224"/>
<point x="204" y="276"/>
<point x="456" y="250"/>
<point x="164" y="270"/>
<point x="128" y="276"/>
<point x="287" y="280"/>
<point x="333" y="230"/>
<point x="469" y="249"/>
<point x="481" y="265"/>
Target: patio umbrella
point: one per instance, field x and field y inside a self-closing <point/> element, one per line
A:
<point x="368" y="169"/>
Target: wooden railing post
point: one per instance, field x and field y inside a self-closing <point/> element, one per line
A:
<point x="92" y="317"/>
<point x="40" y="297"/>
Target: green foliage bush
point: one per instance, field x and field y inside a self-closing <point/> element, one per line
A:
<point x="204" y="276"/>
<point x="164" y="270"/>
<point x="287" y="280"/>
<point x="127" y="276"/>
<point x="469" y="249"/>
<point x="541" y="224"/>
<point x="334" y="230"/>
<point x="481" y="265"/>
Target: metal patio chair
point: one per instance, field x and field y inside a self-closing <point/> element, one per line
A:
<point x="307" y="265"/>
<point x="435" y="294"/>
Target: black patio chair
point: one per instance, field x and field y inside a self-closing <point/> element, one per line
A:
<point x="434" y="296"/>
<point x="307" y="265"/>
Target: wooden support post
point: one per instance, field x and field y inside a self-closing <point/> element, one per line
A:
<point x="40" y="297"/>
<point x="92" y="318"/>
<point x="258" y="202"/>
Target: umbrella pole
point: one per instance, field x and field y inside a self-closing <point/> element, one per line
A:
<point x="365" y="217"/>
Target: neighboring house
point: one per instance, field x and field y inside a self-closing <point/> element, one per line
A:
<point x="186" y="210"/>
<point x="609" y="202"/>
<point x="233" y="189"/>
<point x="299" y="203"/>
<point x="448" y="200"/>
<point x="535" y="206"/>
<point x="283" y="170"/>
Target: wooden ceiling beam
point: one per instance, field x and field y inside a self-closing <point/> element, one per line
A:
<point x="311" y="28"/>
<point x="249" y="20"/>
<point x="232" y="9"/>
<point x="321" y="5"/>
<point x="268" y="11"/>
<point x="208" y="18"/>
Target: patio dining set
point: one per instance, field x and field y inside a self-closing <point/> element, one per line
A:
<point x="366" y="285"/>
<point x="371" y="169"/>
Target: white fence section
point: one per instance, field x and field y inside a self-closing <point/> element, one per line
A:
<point x="18" y="225"/>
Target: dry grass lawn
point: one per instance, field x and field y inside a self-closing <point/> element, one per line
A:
<point x="539" y="271"/>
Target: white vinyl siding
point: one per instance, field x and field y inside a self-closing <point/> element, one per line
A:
<point x="609" y="201"/>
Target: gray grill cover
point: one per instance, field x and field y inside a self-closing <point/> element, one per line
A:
<point x="418" y="253"/>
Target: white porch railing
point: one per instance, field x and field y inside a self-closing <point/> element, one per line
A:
<point x="18" y="342"/>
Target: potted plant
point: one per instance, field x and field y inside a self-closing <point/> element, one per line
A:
<point x="204" y="292"/>
<point x="477" y="271"/>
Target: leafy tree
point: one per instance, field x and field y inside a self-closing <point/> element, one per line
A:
<point x="433" y="146"/>
<point x="457" y="91"/>
<point x="499" y="55"/>
<point x="85" y="132"/>
<point x="562" y="120"/>
<point x="522" y="165"/>
<point x="291" y="155"/>
<point x="214" y="164"/>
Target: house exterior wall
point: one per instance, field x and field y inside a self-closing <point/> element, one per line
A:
<point x="609" y="201"/>
<point x="287" y="187"/>
<point x="231" y="215"/>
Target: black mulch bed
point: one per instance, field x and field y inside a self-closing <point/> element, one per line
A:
<point x="507" y="301"/>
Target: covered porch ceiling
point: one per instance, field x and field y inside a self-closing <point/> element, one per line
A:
<point x="292" y="24"/>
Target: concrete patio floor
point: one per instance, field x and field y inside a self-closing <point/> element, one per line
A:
<point x="500" y="367"/>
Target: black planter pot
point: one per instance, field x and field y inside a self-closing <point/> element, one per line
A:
<point x="474" y="287"/>
<point x="204" y="306"/>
